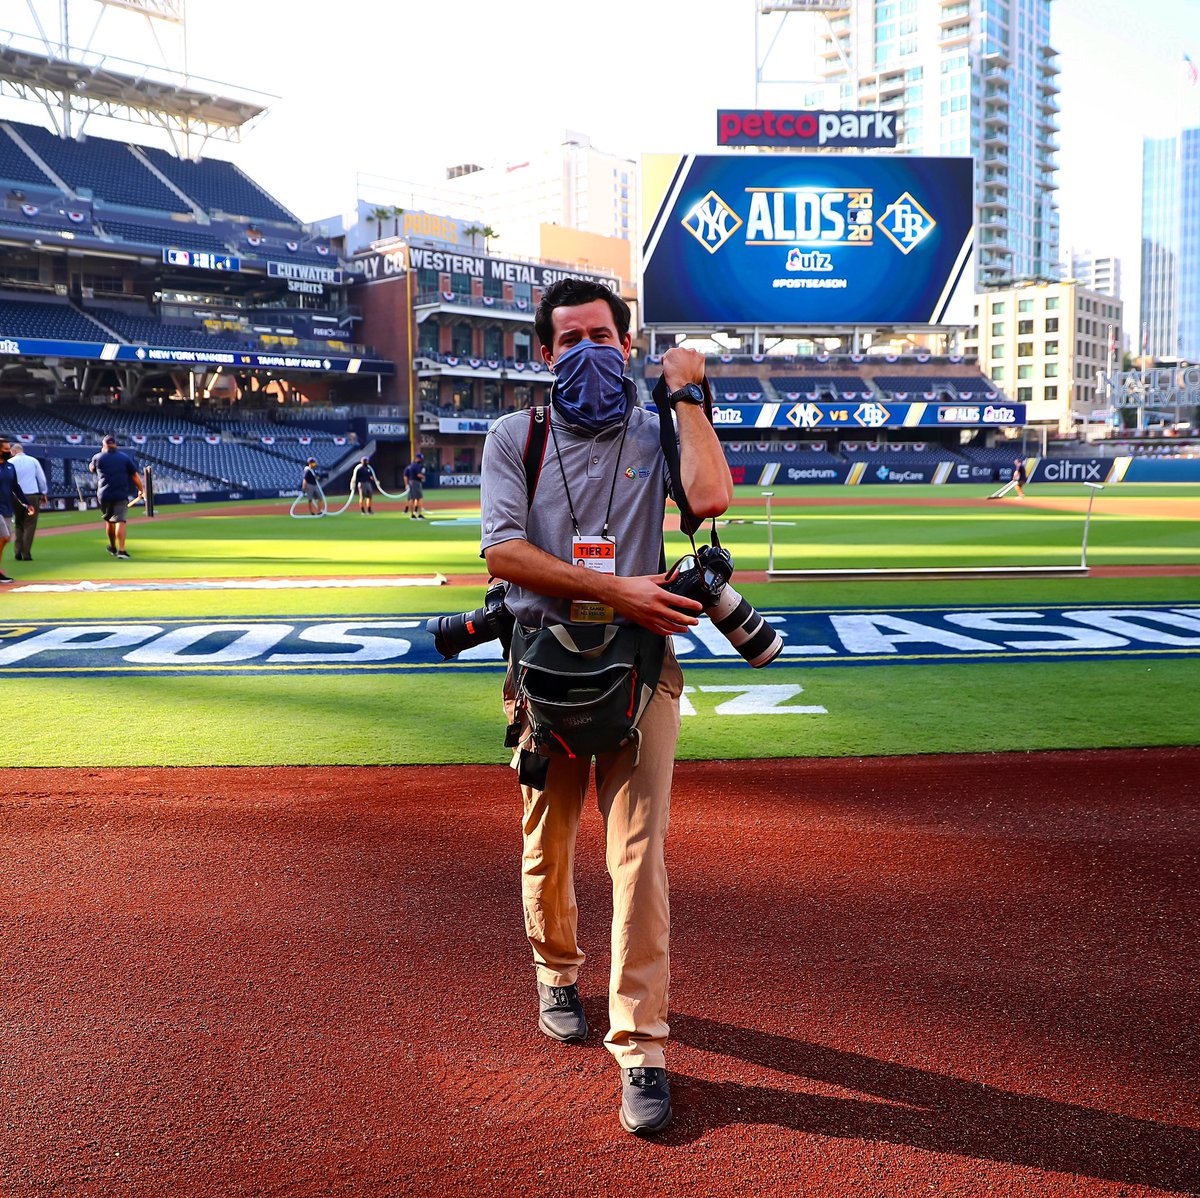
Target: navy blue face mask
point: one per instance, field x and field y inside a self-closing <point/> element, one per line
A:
<point x="589" y="386"/>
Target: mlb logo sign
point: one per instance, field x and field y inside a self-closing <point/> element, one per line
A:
<point x="712" y="222"/>
<point x="906" y="223"/>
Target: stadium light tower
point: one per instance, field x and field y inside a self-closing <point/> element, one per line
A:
<point x="44" y="60"/>
<point x="776" y="13"/>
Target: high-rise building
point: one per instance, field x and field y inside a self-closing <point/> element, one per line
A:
<point x="1044" y="345"/>
<point x="1170" y="314"/>
<point x="571" y="184"/>
<point x="966" y="77"/>
<point x="1095" y="272"/>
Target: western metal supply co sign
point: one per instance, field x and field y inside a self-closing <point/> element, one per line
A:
<point x="794" y="239"/>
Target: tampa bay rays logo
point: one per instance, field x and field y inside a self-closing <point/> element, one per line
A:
<point x="906" y="223"/>
<point x="712" y="222"/>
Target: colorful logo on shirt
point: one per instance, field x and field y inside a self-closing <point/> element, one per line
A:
<point x="631" y="472"/>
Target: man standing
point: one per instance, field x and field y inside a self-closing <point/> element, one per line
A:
<point x="1020" y="476"/>
<point x="118" y="482"/>
<point x="311" y="487"/>
<point x="11" y="497"/>
<point x="32" y="478"/>
<point x="601" y="442"/>
<point x="363" y="480"/>
<point x="414" y="476"/>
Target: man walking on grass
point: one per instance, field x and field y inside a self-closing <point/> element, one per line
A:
<point x="118" y="482"/>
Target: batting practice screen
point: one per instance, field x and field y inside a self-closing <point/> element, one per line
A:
<point x="795" y="239"/>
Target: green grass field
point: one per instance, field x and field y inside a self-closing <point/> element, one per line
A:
<point x="449" y="714"/>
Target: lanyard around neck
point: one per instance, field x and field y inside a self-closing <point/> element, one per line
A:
<point x="612" y="487"/>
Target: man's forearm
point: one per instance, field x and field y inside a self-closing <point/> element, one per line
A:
<point x="536" y="570"/>
<point x="705" y="473"/>
<point x="638" y="598"/>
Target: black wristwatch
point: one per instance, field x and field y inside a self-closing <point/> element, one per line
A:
<point x="688" y="393"/>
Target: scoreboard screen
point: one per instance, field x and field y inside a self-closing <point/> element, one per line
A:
<point x="201" y="260"/>
<point x="796" y="239"/>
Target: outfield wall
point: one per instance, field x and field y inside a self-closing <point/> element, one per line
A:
<point x="775" y="472"/>
<point x="880" y="472"/>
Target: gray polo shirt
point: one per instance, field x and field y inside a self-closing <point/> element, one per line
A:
<point x="589" y="463"/>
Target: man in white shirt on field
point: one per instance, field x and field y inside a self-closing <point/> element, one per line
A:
<point x="32" y="479"/>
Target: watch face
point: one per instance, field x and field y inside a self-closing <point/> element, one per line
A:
<point x="691" y="391"/>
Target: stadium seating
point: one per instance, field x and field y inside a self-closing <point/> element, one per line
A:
<point x="825" y="387"/>
<point x="917" y="386"/>
<point x="737" y="390"/>
<point x="278" y="249"/>
<point x="995" y="458"/>
<point x="108" y="169"/>
<point x="896" y="454"/>
<point x="219" y="186"/>
<point x="978" y="388"/>
<point x="16" y="165"/>
<point x="176" y="235"/>
<point x="47" y="223"/>
<point x="145" y="330"/>
<point x="40" y="423"/>
<point x="48" y="321"/>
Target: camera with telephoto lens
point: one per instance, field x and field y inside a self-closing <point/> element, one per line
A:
<point x="464" y="630"/>
<point x="705" y="578"/>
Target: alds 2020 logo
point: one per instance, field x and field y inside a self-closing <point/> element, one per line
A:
<point x="809" y="216"/>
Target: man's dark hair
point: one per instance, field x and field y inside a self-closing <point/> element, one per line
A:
<point x="571" y="293"/>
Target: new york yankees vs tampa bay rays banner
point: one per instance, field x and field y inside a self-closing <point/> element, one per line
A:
<point x="792" y="239"/>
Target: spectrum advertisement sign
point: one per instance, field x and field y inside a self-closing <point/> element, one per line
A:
<point x="793" y="239"/>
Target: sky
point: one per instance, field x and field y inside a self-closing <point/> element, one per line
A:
<point x="405" y="88"/>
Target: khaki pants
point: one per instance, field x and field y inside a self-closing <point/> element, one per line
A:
<point x="635" y="803"/>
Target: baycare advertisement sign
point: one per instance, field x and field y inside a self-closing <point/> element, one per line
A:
<point x="793" y="239"/>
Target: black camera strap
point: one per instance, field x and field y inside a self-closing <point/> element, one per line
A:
<point x="689" y="524"/>
<point x="535" y="446"/>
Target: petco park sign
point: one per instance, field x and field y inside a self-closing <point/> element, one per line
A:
<point x="803" y="129"/>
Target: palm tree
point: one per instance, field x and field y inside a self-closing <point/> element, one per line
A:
<point x="488" y="233"/>
<point x="473" y="231"/>
<point x="379" y="215"/>
<point x="397" y="213"/>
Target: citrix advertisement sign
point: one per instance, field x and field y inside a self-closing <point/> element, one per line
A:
<point x="793" y="239"/>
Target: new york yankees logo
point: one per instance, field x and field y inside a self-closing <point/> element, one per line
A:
<point x="712" y="222"/>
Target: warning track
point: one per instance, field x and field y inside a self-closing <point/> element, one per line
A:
<point x="910" y="976"/>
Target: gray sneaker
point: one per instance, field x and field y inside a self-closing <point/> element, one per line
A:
<point x="561" y="1016"/>
<point x="645" y="1101"/>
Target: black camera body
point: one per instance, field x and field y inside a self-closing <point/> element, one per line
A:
<point x="464" y="630"/>
<point x="705" y="578"/>
<point x="702" y="577"/>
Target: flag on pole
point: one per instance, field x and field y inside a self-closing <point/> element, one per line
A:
<point x="1189" y="65"/>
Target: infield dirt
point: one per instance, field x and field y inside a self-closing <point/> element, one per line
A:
<point x="948" y="975"/>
